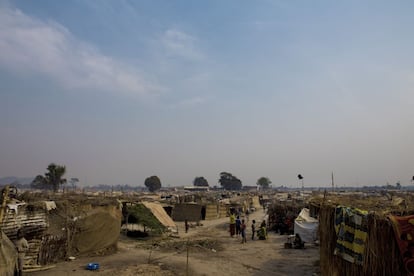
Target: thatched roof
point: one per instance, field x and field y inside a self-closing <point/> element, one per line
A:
<point x="159" y="212"/>
<point x="380" y="203"/>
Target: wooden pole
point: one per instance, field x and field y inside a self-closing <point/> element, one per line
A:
<point x="68" y="234"/>
<point x="187" y="258"/>
<point x="303" y="186"/>
<point x="149" y="257"/>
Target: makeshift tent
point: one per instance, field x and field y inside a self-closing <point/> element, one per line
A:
<point x="8" y="256"/>
<point x="306" y="226"/>
<point x="162" y="216"/>
<point x="97" y="230"/>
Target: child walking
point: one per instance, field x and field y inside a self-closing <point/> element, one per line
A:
<point x="243" y="231"/>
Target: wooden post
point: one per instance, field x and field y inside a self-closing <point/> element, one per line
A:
<point x="68" y="235"/>
<point x="303" y="187"/>
<point x="149" y="257"/>
<point x="187" y="258"/>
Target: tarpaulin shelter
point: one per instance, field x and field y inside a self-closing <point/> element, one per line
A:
<point x="97" y="230"/>
<point x="306" y="226"/>
<point x="8" y="256"/>
<point x="158" y="211"/>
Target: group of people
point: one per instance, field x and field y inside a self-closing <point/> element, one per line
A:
<point x="284" y="224"/>
<point x="261" y="232"/>
<point x="238" y="228"/>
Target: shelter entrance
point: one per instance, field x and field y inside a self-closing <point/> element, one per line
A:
<point x="203" y="213"/>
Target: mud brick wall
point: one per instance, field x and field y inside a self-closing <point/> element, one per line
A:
<point x="191" y="212"/>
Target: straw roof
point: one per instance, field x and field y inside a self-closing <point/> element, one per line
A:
<point x="159" y="212"/>
<point x="380" y="203"/>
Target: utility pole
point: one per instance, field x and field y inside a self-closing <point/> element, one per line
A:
<point x="333" y="184"/>
<point x="301" y="180"/>
<point x="303" y="186"/>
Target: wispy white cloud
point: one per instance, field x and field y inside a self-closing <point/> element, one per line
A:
<point x="188" y="102"/>
<point x="192" y="101"/>
<point x="179" y="43"/>
<point x="32" y="46"/>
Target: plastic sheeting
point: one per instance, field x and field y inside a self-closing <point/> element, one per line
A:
<point x="306" y="226"/>
<point x="50" y="205"/>
<point x="8" y="256"/>
<point x="97" y="230"/>
<point x="162" y="216"/>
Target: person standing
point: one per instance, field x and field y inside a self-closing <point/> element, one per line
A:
<point x="238" y="225"/>
<point x="243" y="231"/>
<point x="22" y="246"/>
<point x="253" y="229"/>
<point x="232" y="224"/>
<point x="186" y="226"/>
<point x="261" y="234"/>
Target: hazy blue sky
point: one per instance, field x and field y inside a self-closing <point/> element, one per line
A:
<point x="121" y="90"/>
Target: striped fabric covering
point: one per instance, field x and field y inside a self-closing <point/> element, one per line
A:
<point x="351" y="229"/>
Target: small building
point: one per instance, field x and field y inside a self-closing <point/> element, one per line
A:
<point x="197" y="188"/>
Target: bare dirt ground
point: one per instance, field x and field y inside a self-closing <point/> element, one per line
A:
<point x="211" y="251"/>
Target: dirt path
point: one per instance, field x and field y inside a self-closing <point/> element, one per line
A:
<point x="211" y="252"/>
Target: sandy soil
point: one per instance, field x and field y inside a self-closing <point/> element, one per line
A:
<point x="211" y="251"/>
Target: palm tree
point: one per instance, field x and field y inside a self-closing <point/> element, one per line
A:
<point x="54" y="176"/>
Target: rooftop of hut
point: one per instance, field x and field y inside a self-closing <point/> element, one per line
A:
<point x="384" y="202"/>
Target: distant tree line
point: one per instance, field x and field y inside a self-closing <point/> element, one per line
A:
<point x="397" y="186"/>
<point x="118" y="187"/>
<point x="53" y="179"/>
